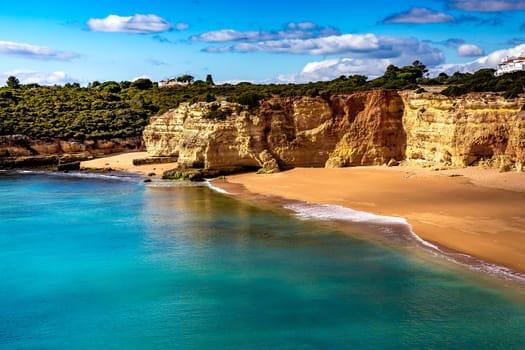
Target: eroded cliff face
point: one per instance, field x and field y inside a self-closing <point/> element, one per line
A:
<point x="21" y="150"/>
<point x="466" y="130"/>
<point x="339" y="130"/>
<point x="361" y="128"/>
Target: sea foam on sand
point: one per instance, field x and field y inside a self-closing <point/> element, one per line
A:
<point x="328" y="212"/>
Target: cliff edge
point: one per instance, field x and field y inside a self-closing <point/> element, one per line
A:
<point x="361" y="128"/>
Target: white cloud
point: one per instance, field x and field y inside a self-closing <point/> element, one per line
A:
<point x="34" y="52"/>
<point x="329" y="45"/>
<point x="487" y="5"/>
<point x="470" y="50"/>
<point x="372" y="65"/>
<point x="303" y="30"/>
<point x="359" y="46"/>
<point x="419" y="15"/>
<point x="225" y="35"/>
<point x="41" y="78"/>
<point x="136" y="24"/>
<point x="489" y="61"/>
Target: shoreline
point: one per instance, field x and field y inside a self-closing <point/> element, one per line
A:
<point x="470" y="211"/>
<point x="469" y="214"/>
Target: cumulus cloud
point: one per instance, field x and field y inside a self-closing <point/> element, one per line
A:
<point x="470" y="50"/>
<point x="402" y="52"/>
<point x="136" y="24"/>
<point x="41" y="78"/>
<point x="332" y="68"/>
<point x="336" y="44"/>
<point x="34" y="52"/>
<point x="489" y="61"/>
<point x="419" y="15"/>
<point x="486" y="5"/>
<point x="358" y="45"/>
<point x="302" y="30"/>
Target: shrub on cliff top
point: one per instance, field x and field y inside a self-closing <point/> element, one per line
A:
<point x="218" y="113"/>
<point x="249" y="99"/>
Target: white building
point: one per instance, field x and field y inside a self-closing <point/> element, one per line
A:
<point x="510" y="65"/>
<point x="170" y="83"/>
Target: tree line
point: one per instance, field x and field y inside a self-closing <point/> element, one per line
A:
<point x="121" y="109"/>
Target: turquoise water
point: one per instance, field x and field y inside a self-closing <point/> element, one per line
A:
<point x="99" y="263"/>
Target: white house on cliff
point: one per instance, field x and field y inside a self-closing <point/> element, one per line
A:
<point x="510" y="65"/>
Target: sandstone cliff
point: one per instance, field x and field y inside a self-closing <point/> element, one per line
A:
<point x="339" y="130"/>
<point x="361" y="128"/>
<point x="21" y="150"/>
<point x="466" y="130"/>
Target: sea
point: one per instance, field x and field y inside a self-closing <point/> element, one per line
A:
<point x="94" y="261"/>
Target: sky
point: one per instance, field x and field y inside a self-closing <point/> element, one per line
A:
<point x="271" y="41"/>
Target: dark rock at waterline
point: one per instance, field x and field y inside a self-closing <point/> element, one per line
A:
<point x="190" y="174"/>
<point x="28" y="161"/>
<point x="68" y="166"/>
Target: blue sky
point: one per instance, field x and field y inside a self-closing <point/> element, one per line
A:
<point x="58" y="41"/>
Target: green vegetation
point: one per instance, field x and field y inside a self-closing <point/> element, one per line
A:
<point x="218" y="113"/>
<point x="113" y="109"/>
<point x="13" y="82"/>
<point x="511" y="85"/>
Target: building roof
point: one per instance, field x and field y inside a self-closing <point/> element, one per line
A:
<point x="516" y="59"/>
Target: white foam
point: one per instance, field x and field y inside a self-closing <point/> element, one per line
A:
<point x="336" y="212"/>
<point x="215" y="188"/>
<point x="422" y="241"/>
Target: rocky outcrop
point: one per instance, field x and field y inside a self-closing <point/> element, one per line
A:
<point x="355" y="129"/>
<point x="24" y="151"/>
<point x="361" y="128"/>
<point x="465" y="130"/>
<point x="374" y="134"/>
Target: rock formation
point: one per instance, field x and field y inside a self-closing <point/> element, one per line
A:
<point x="337" y="130"/>
<point x="361" y="128"/>
<point x="465" y="130"/>
<point x="21" y="150"/>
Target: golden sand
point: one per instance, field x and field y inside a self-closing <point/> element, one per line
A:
<point x="124" y="162"/>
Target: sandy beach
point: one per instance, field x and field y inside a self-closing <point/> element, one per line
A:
<point x="476" y="211"/>
<point x="124" y="162"/>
